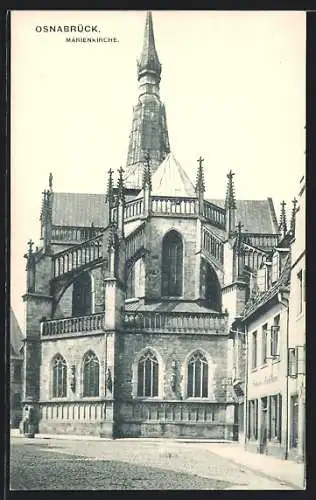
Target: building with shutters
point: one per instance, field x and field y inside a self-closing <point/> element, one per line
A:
<point x="271" y="355"/>
<point x="132" y="297"/>
<point x="297" y="336"/>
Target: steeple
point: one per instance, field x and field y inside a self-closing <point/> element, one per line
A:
<point x="149" y="134"/>
<point x="149" y="62"/>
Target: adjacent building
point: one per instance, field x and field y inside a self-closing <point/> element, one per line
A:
<point x="297" y="335"/>
<point x="270" y="354"/>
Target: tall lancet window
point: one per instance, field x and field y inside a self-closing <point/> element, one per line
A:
<point x="172" y="265"/>
<point x="197" y="376"/>
<point x="148" y="375"/>
<point x="91" y="368"/>
<point x="59" y="377"/>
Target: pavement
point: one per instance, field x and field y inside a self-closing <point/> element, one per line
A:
<point x="176" y="455"/>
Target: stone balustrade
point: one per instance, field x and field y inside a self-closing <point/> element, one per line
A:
<point x="216" y="215"/>
<point x="213" y="245"/>
<point x="134" y="242"/>
<point x="174" y="206"/>
<point x="72" y="233"/>
<point x="77" y="256"/>
<point x="261" y="240"/>
<point x="133" y="208"/>
<point x="82" y="324"/>
<point x="151" y="321"/>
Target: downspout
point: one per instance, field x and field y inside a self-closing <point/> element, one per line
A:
<point x="285" y="303"/>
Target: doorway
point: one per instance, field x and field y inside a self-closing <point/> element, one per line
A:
<point x="264" y="425"/>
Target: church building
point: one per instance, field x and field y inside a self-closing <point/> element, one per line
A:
<point x="132" y="297"/>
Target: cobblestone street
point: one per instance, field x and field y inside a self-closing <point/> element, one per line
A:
<point x="49" y="464"/>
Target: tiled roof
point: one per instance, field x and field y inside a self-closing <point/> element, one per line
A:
<point x="262" y="298"/>
<point x="169" y="306"/>
<point x="257" y="216"/>
<point x="80" y="209"/>
<point x="16" y="336"/>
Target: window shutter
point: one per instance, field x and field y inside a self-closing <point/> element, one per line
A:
<point x="300" y="353"/>
<point x="292" y="362"/>
<point x="275" y="267"/>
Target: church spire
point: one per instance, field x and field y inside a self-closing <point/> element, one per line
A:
<point x="149" y="134"/>
<point x="149" y="62"/>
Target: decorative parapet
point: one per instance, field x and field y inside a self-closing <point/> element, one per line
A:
<point x="77" y="256"/>
<point x="260" y="240"/>
<point x="213" y="245"/>
<point x="134" y="242"/>
<point x="214" y="214"/>
<point x="93" y="323"/>
<point x="71" y="234"/>
<point x="163" y="205"/>
<point x="170" y="322"/>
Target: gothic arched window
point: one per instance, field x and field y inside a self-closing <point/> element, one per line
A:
<point x="91" y="368"/>
<point x="197" y="376"/>
<point x="82" y="295"/>
<point x="147" y="380"/>
<point x="172" y="265"/>
<point x="59" y="377"/>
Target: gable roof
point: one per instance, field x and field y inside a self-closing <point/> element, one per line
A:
<point x="80" y="209"/>
<point x="16" y="336"/>
<point x="256" y="302"/>
<point x="257" y="216"/>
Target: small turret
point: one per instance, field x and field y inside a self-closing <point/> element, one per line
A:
<point x="120" y="203"/>
<point x="283" y="223"/>
<point x="147" y="185"/>
<point x="293" y="218"/>
<point x="200" y="185"/>
<point x="230" y="205"/>
<point x="109" y="198"/>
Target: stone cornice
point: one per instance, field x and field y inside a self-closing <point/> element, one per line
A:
<point x="237" y="283"/>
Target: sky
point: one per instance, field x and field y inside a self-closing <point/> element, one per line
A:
<point x="233" y="84"/>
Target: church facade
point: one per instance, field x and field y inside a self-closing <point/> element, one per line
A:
<point x="132" y="298"/>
